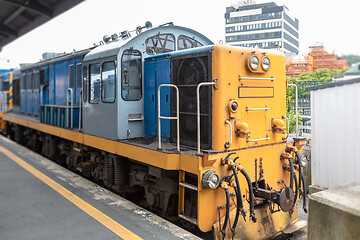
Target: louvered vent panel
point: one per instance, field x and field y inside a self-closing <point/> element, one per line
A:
<point x="78" y="75"/>
<point x="187" y="72"/>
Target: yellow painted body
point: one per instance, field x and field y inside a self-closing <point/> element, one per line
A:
<point x="2" y="123"/>
<point x="259" y="102"/>
<point x="269" y="225"/>
<point x="229" y="66"/>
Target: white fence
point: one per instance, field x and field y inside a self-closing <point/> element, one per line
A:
<point x="335" y="130"/>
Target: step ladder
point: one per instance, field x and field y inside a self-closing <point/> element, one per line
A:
<point x="182" y="186"/>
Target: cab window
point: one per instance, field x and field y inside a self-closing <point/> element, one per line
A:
<point x="94" y="91"/>
<point x="160" y="43"/>
<point x="185" y="42"/>
<point x="108" y="82"/>
<point x="131" y="75"/>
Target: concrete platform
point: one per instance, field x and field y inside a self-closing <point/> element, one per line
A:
<point x="335" y="213"/>
<point x="41" y="200"/>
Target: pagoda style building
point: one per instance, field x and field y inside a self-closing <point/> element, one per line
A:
<point x="317" y="58"/>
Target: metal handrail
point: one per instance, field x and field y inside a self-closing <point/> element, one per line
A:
<point x="198" y="111"/>
<point x="80" y="107"/>
<point x="256" y="140"/>
<point x="67" y="107"/>
<point x="254" y="78"/>
<point x="228" y="144"/>
<point x="189" y="186"/>
<point x="41" y="94"/>
<point x="177" y="118"/>
<point x="296" y="109"/>
<point x="257" y="109"/>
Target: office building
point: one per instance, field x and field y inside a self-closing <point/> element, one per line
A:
<point x="265" y="25"/>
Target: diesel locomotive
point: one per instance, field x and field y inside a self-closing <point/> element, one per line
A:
<point x="197" y="131"/>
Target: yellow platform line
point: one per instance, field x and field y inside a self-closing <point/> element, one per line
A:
<point x="93" y="212"/>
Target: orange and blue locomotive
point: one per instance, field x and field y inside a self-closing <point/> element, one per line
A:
<point x="197" y="131"/>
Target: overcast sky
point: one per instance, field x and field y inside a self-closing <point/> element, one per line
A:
<point x="335" y="24"/>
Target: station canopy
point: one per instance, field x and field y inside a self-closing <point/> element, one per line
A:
<point x="18" y="17"/>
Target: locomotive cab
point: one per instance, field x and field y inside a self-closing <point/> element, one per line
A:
<point x="113" y="79"/>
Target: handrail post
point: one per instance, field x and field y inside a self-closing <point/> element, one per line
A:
<point x="296" y="109"/>
<point x="228" y="144"/>
<point x="198" y="111"/>
<point x="80" y="107"/>
<point x="67" y="107"/>
<point x="170" y="118"/>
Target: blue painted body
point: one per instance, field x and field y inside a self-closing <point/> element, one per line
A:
<point x="23" y="101"/>
<point x="157" y="72"/>
<point x="36" y="102"/>
<point x="29" y="101"/>
<point x="48" y="99"/>
<point x="61" y="82"/>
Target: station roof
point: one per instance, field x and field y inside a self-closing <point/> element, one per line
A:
<point x="18" y="17"/>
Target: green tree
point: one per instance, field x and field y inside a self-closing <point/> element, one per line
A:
<point x="303" y="81"/>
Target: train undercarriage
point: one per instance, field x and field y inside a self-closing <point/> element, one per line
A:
<point x="148" y="186"/>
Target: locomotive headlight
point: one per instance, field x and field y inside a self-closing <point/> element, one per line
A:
<point x="303" y="160"/>
<point x="234" y="106"/>
<point x="254" y="62"/>
<point x="210" y="180"/>
<point x="265" y="63"/>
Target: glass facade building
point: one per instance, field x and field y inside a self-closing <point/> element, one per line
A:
<point x="266" y="26"/>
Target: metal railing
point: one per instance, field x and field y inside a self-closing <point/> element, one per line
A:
<point x="303" y="103"/>
<point x="228" y="144"/>
<point x="254" y="78"/>
<point x="257" y="109"/>
<point x="177" y="118"/>
<point x="70" y="90"/>
<point x="80" y="107"/>
<point x="259" y="139"/>
<point x="198" y="111"/>
<point x="296" y="109"/>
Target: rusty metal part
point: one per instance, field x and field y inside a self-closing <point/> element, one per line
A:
<point x="267" y="226"/>
<point x="85" y="168"/>
<point x="270" y="195"/>
<point x="261" y="169"/>
<point x="286" y="167"/>
<point x="226" y="159"/>
<point x="256" y="180"/>
<point x="290" y="149"/>
<point x="286" y="199"/>
<point x="285" y="155"/>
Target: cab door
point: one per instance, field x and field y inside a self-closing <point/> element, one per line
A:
<point x="131" y="103"/>
<point x="100" y="100"/>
